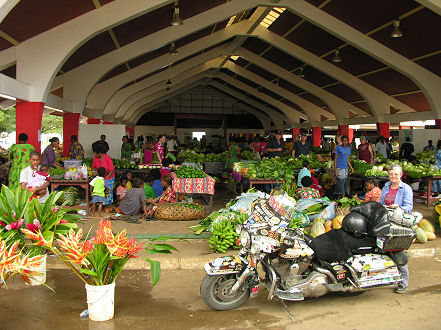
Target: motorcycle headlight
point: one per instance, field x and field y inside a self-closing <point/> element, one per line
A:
<point x="244" y="238"/>
<point x="254" y="248"/>
<point x="238" y="229"/>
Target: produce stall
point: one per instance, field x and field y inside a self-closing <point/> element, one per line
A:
<point x="81" y="183"/>
<point x="190" y="180"/>
<point x="428" y="195"/>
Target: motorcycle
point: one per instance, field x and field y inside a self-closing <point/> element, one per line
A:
<point x="297" y="266"/>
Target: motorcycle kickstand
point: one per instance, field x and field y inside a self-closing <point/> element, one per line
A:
<point x="291" y="315"/>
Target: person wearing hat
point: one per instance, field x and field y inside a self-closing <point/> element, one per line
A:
<point x="301" y="147"/>
<point x="275" y="146"/>
<point x="365" y="151"/>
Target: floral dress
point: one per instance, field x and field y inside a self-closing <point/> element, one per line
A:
<point x="19" y="155"/>
<point x="168" y="196"/>
<point x="76" y="151"/>
<point x="233" y="156"/>
<point x="307" y="193"/>
<point x="160" y="148"/>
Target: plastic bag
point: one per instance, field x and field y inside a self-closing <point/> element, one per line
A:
<point x="328" y="213"/>
<point x="244" y="201"/>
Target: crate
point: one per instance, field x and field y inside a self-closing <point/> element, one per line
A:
<point x="214" y="167"/>
<point x="399" y="238"/>
<point x="72" y="162"/>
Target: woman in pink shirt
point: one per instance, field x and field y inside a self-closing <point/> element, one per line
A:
<point x="103" y="160"/>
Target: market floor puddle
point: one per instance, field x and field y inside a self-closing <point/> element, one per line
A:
<point x="137" y="306"/>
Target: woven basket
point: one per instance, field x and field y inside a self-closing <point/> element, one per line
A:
<point x="343" y="211"/>
<point x="68" y="196"/>
<point x="178" y="212"/>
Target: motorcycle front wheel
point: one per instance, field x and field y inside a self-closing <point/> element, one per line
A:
<point x="215" y="291"/>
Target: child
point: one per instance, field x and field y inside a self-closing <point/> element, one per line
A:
<point x="165" y="167"/>
<point x="129" y="177"/>
<point x="157" y="186"/>
<point x="134" y="201"/>
<point x="39" y="178"/>
<point x="306" y="192"/>
<point x="121" y="191"/>
<point x="373" y="193"/>
<point x="148" y="190"/>
<point x="305" y="171"/>
<point x="98" y="187"/>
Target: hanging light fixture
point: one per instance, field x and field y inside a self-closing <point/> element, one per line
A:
<point x="173" y="50"/>
<point x="168" y="89"/>
<point x="301" y="74"/>
<point x="396" y="32"/>
<point x="336" y="58"/>
<point x="169" y="82"/>
<point x="176" y="20"/>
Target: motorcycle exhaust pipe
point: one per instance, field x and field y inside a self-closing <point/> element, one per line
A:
<point x="326" y="272"/>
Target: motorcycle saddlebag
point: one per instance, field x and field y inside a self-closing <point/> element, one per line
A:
<point x="394" y="237"/>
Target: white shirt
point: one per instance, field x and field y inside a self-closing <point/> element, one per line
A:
<point x="171" y="144"/>
<point x="381" y="148"/>
<point x="26" y="175"/>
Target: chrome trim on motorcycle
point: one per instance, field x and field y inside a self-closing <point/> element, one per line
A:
<point x="325" y="271"/>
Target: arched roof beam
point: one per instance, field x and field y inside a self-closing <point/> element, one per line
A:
<point x="429" y="82"/>
<point x="433" y="5"/>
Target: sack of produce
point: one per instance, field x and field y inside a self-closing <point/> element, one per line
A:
<point x="243" y="202"/>
<point x="179" y="211"/>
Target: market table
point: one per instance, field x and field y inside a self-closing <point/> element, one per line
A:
<point x="263" y="181"/>
<point x="429" y="198"/>
<point x="200" y="186"/>
<point x="84" y="183"/>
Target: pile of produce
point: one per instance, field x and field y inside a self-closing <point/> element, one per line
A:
<point x="57" y="172"/>
<point x="189" y="172"/>
<point x="189" y="155"/>
<point x="427" y="157"/>
<point x="123" y="163"/>
<point x="73" y="173"/>
<point x="224" y="236"/>
<point x="360" y="166"/>
<point x="425" y="231"/>
<point x="276" y="168"/>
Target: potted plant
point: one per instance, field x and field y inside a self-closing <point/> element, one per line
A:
<point x="98" y="261"/>
<point x="14" y="262"/>
<point x="18" y="210"/>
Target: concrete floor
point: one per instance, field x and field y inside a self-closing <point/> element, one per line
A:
<point x="175" y="303"/>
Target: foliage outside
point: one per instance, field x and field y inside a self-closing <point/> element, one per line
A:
<point x="49" y="124"/>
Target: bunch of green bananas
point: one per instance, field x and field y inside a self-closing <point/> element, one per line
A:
<point x="224" y="236"/>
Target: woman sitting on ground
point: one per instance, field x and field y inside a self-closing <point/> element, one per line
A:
<point x="168" y="196"/>
<point x="307" y="192"/>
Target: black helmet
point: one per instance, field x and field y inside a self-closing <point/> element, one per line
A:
<point x="355" y="223"/>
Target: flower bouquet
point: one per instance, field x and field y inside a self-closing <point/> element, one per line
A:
<point x="14" y="262"/>
<point x="98" y="261"/>
<point x="19" y="210"/>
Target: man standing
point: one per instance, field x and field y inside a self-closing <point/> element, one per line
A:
<point x="430" y="146"/>
<point x="301" y="147"/>
<point x="381" y="147"/>
<point x="102" y="141"/>
<point x="406" y="150"/>
<point x="341" y="165"/>
<point x="275" y="146"/>
<point x="365" y="151"/>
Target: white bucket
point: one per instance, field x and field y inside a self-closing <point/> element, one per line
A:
<point x="39" y="279"/>
<point x="100" y="301"/>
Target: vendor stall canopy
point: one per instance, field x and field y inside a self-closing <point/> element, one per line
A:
<point x="282" y="63"/>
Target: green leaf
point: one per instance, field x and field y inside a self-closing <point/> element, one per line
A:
<point x="164" y="247"/>
<point x="149" y="251"/>
<point x="88" y="272"/>
<point x="155" y="270"/>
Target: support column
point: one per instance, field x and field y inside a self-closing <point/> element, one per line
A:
<point x="345" y="130"/>
<point x="93" y="121"/>
<point x="383" y="129"/>
<point x="107" y="123"/>
<point x="316" y="136"/>
<point x="71" y="122"/>
<point x="28" y="121"/>
<point x="295" y="132"/>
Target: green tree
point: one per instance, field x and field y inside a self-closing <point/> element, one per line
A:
<point x="7" y="120"/>
<point x="52" y="124"/>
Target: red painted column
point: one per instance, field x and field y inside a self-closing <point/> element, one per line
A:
<point x="295" y="132"/>
<point x="28" y="120"/>
<point x="383" y="129"/>
<point x="71" y="122"/>
<point x="107" y="123"/>
<point x="93" y="121"/>
<point x="345" y="130"/>
<point x="316" y="136"/>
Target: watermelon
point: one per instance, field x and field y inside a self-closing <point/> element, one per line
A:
<point x="317" y="229"/>
<point x="427" y="226"/>
<point x="421" y="235"/>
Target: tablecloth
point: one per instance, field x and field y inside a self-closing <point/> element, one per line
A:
<point x="193" y="186"/>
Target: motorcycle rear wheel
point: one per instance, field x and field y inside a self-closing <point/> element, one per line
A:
<point x="215" y="292"/>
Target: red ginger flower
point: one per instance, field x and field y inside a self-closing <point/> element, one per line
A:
<point x="72" y="247"/>
<point x="38" y="237"/>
